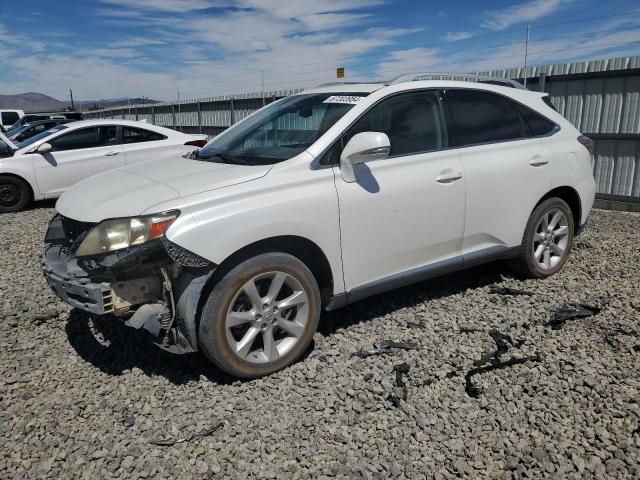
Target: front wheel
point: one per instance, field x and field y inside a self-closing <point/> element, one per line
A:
<point x="261" y="316"/>
<point x="547" y="240"/>
<point x="15" y="194"/>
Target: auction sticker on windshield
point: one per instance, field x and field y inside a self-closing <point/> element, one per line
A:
<point x="349" y="99"/>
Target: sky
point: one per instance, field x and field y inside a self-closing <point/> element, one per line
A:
<point x="201" y="48"/>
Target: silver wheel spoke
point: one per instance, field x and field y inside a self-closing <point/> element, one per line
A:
<point x="244" y="345"/>
<point x="291" y="328"/>
<point x="547" y="258"/>
<point x="297" y="298"/>
<point x="537" y="237"/>
<point x="276" y="285"/>
<point x="545" y="223"/>
<point x="251" y="291"/>
<point x="556" y="249"/>
<point x="538" y="253"/>
<point x="562" y="231"/>
<point x="270" y="348"/>
<point x="235" y="319"/>
<point x="554" y="220"/>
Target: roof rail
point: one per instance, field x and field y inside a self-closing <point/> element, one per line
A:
<point x="414" y="77"/>
<point x="333" y="84"/>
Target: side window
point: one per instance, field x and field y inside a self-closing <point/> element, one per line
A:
<point x="535" y="125"/>
<point x="138" y="135"/>
<point x="413" y="122"/>
<point x="482" y="117"/>
<point x="91" y="137"/>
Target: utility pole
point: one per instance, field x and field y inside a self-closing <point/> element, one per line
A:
<point x="179" y="107"/>
<point x="73" y="108"/>
<point x="526" y="53"/>
<point x="262" y="79"/>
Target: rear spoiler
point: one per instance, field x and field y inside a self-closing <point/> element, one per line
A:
<point x="11" y="145"/>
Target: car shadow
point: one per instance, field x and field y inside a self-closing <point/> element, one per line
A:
<point x="108" y="344"/>
<point x="115" y="349"/>
<point x="410" y="296"/>
<point x="42" y="204"/>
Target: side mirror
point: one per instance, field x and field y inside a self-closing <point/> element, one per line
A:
<point x="44" y="148"/>
<point x="363" y="147"/>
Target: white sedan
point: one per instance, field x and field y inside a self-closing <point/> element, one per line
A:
<point x="46" y="165"/>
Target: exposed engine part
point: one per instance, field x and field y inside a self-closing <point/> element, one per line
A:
<point x="123" y="295"/>
<point x="168" y="288"/>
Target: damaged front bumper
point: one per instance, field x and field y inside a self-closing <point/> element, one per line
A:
<point x="155" y="286"/>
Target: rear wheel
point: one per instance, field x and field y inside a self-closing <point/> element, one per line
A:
<point x="547" y="240"/>
<point x="261" y="316"/>
<point x="15" y="194"/>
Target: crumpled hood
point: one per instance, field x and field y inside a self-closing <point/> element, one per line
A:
<point x="132" y="190"/>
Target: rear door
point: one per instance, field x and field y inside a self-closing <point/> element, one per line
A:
<point x="141" y="145"/>
<point x="507" y="169"/>
<point x="77" y="155"/>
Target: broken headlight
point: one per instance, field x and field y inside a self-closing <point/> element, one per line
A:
<point x="118" y="233"/>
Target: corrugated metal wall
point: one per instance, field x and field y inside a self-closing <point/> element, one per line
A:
<point x="600" y="97"/>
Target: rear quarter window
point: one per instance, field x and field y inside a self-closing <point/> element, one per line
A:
<point x="139" y="135"/>
<point x="482" y="117"/>
<point x="535" y="125"/>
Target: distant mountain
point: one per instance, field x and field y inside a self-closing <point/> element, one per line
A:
<point x="39" y="102"/>
<point x="32" y="102"/>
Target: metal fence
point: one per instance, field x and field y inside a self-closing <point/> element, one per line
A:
<point x="600" y="97"/>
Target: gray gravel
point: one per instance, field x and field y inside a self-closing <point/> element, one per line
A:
<point x="90" y="398"/>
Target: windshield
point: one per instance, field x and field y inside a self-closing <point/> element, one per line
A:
<point x="40" y="136"/>
<point x="14" y="129"/>
<point x="280" y="131"/>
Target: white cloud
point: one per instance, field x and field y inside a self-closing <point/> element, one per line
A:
<point x="165" y="5"/>
<point x="457" y="36"/>
<point x="522" y="12"/>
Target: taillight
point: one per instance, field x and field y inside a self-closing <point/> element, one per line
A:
<point x="197" y="143"/>
<point x="587" y="142"/>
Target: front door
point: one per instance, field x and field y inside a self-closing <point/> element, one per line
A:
<point x="405" y="214"/>
<point x="77" y="155"/>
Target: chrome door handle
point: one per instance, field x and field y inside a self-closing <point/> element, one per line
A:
<point x="111" y="154"/>
<point x="448" y="177"/>
<point x="537" y="161"/>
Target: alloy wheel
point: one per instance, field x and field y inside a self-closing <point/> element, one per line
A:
<point x="267" y="317"/>
<point x="551" y="239"/>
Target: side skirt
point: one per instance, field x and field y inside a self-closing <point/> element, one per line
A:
<point x="422" y="273"/>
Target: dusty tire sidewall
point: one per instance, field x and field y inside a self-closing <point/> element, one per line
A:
<point x="212" y="333"/>
<point x="542" y="209"/>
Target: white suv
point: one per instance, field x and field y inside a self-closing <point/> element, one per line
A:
<point x="318" y="200"/>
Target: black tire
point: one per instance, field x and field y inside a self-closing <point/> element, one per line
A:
<point x="212" y="332"/>
<point x="15" y="194"/>
<point x="525" y="264"/>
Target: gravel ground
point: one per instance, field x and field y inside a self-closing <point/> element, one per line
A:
<point x="90" y="398"/>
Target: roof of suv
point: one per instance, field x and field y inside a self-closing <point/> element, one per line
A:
<point x="348" y="87"/>
<point x="516" y="93"/>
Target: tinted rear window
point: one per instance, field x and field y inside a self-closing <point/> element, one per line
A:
<point x="9" y="118"/>
<point x="137" y="135"/>
<point x="482" y="117"/>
